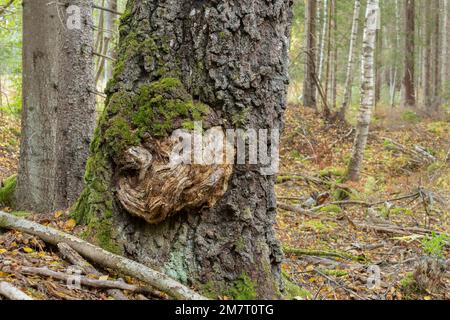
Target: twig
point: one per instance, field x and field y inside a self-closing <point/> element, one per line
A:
<point x="322" y="253"/>
<point x="107" y="9"/>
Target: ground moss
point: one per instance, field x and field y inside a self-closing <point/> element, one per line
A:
<point x="7" y="191"/>
<point x="293" y="291"/>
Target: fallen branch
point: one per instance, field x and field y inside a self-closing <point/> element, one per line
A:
<point x="322" y="253"/>
<point x="103" y="284"/>
<point x="11" y="292"/>
<point x="102" y="257"/>
<point x="73" y="257"/>
<point x="300" y="210"/>
<point x="77" y="260"/>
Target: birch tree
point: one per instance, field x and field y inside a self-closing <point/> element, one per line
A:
<point x="351" y="61"/>
<point x="367" y="89"/>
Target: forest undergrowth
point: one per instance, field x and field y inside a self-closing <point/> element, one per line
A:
<point x="384" y="237"/>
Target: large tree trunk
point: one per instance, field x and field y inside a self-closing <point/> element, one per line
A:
<point x="309" y="86"/>
<point x="367" y="90"/>
<point x="207" y="226"/>
<point x="408" y="78"/>
<point x="445" y="47"/>
<point x="351" y="61"/>
<point x="58" y="104"/>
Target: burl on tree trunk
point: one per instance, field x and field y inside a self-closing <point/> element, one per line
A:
<point x="224" y="63"/>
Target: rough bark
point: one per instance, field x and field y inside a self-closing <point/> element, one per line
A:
<point x="367" y="90"/>
<point x="227" y="63"/>
<point x="309" y="87"/>
<point x="409" y="71"/>
<point x="58" y="105"/>
<point x="351" y="61"/>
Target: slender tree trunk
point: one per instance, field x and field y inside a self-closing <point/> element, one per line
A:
<point x="351" y="61"/>
<point x="326" y="85"/>
<point x="428" y="94"/>
<point x="396" y="54"/>
<point x="211" y="60"/>
<point x="110" y="28"/>
<point x="367" y="90"/>
<point x="378" y="65"/>
<point x="309" y="86"/>
<point x="334" y="57"/>
<point x="58" y="105"/>
<point x="324" y="39"/>
<point x="437" y="55"/>
<point x="445" y="51"/>
<point x="408" y="78"/>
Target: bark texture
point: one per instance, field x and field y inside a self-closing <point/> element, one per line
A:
<point x="58" y="115"/>
<point x="408" y="79"/>
<point x="224" y="62"/>
<point x="367" y="90"/>
<point x="309" y="85"/>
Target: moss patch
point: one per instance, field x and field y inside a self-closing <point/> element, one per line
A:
<point x="243" y="288"/>
<point x="7" y="191"/>
<point x="293" y="291"/>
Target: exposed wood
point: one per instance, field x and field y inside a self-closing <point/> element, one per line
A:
<point x="102" y="257"/>
<point x="11" y="292"/>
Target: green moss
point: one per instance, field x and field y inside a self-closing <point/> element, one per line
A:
<point x="119" y="136"/>
<point x="332" y="208"/>
<point x="293" y="291"/>
<point x="243" y="288"/>
<point x="411" y="117"/>
<point x="319" y="226"/>
<point x="333" y="171"/>
<point x="7" y="191"/>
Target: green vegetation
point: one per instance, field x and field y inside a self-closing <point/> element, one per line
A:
<point x="435" y="244"/>
<point x="243" y="288"/>
<point x="7" y="191"/>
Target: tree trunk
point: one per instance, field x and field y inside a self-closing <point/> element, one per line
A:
<point x="445" y="52"/>
<point x="367" y="90"/>
<point x="428" y="95"/>
<point x="408" y="78"/>
<point x="334" y="57"/>
<point x="309" y="86"/>
<point x="437" y="66"/>
<point x="209" y="226"/>
<point x="397" y="50"/>
<point x="324" y="39"/>
<point x="110" y="28"/>
<point x="58" y="105"/>
<point x="351" y="61"/>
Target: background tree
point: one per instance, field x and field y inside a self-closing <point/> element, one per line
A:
<point x="409" y="60"/>
<point x="309" y="85"/>
<point x="350" y="63"/>
<point x="226" y="61"/>
<point x="367" y="90"/>
<point x="58" y="104"/>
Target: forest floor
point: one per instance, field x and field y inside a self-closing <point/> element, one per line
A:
<point x="372" y="239"/>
